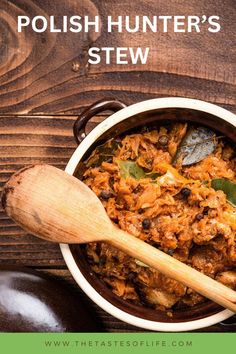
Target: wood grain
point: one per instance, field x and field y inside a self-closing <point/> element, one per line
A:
<point x="48" y="72"/>
<point x="25" y="141"/>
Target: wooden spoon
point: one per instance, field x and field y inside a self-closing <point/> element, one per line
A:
<point x="55" y="206"/>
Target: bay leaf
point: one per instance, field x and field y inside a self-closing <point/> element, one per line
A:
<point x="227" y="186"/>
<point x="103" y="153"/>
<point x="130" y="169"/>
<point x="198" y="143"/>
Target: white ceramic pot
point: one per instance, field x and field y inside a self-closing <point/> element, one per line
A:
<point x="139" y="114"/>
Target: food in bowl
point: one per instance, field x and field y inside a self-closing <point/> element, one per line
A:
<point x="173" y="186"/>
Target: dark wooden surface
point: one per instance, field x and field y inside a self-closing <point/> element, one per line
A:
<point x="45" y="82"/>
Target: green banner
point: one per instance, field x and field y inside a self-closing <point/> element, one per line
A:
<point x="102" y="343"/>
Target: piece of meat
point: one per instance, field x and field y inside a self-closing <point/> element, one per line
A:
<point x="160" y="297"/>
<point x="227" y="278"/>
<point x="207" y="260"/>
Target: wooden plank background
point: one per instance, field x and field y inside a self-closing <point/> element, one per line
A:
<point x="45" y="82"/>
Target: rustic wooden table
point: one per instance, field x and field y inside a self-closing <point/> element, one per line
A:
<point x="45" y="82"/>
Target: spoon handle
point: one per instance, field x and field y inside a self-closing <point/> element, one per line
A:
<point x="174" y="269"/>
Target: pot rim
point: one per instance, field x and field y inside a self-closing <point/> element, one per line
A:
<point x="125" y="113"/>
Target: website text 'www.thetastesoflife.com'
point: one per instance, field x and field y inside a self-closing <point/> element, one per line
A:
<point x="118" y="343"/>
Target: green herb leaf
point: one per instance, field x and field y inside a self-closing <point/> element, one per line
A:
<point x="228" y="187"/>
<point x="103" y="153"/>
<point x="130" y="169"/>
<point x="197" y="144"/>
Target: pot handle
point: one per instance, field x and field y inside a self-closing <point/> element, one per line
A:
<point x="229" y="324"/>
<point x="87" y="114"/>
